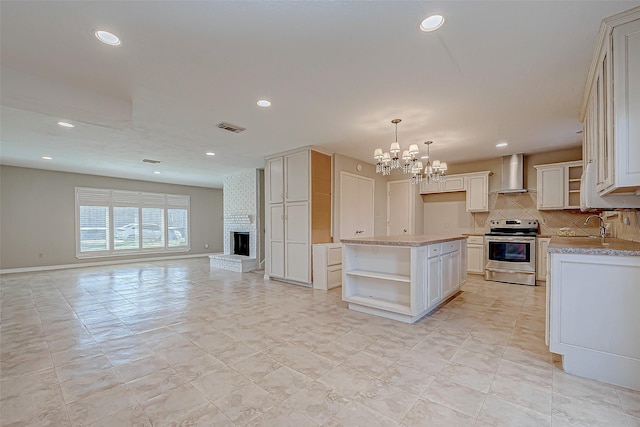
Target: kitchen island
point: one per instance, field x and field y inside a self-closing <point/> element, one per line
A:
<point x="402" y="277"/>
<point x="593" y="292"/>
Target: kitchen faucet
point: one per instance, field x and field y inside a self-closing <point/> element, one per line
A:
<point x="603" y="230"/>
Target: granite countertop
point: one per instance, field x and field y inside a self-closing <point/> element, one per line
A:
<point x="415" y="240"/>
<point x="594" y="246"/>
<point x="473" y="234"/>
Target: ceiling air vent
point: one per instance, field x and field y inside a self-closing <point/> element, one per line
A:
<point x="230" y="127"/>
<point x="151" y="161"/>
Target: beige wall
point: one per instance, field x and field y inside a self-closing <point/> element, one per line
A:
<point x="445" y="214"/>
<point x="37" y="215"/>
<point x="347" y="164"/>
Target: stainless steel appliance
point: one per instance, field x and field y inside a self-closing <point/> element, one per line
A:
<point x="510" y="250"/>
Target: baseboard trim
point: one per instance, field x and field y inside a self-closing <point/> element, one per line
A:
<point x="99" y="263"/>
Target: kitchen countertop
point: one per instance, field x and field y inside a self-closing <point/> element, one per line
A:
<point x="594" y="246"/>
<point x="414" y="240"/>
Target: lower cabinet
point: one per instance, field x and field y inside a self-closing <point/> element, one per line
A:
<point x="593" y="316"/>
<point x="475" y="255"/>
<point x="327" y="266"/>
<point x="401" y="282"/>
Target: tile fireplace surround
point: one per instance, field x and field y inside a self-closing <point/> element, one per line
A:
<point x="241" y="214"/>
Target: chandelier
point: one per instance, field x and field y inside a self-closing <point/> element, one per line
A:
<point x="409" y="163"/>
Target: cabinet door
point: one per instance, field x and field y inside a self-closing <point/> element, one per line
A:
<point x="275" y="240"/>
<point x="434" y="290"/>
<point x="447" y="275"/>
<point x="296" y="177"/>
<point x="475" y="259"/>
<point x="275" y="177"/>
<point x="453" y="183"/>
<point x="551" y="187"/>
<point x="541" y="259"/>
<point x="297" y="242"/>
<point x="429" y="187"/>
<point x="626" y="105"/>
<point x="604" y="125"/>
<point x="399" y="208"/>
<point x="477" y="194"/>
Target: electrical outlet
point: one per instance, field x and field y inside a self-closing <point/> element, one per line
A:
<point x="206" y="246"/>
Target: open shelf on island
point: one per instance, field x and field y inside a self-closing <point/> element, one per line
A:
<point x="381" y="304"/>
<point x="378" y="275"/>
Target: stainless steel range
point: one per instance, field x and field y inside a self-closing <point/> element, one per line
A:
<point x="510" y="251"/>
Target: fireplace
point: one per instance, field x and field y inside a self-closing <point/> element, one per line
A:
<point x="241" y="243"/>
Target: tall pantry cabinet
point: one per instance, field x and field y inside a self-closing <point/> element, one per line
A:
<point x="298" y="214"/>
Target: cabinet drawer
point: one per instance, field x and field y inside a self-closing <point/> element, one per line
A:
<point x="334" y="256"/>
<point x="433" y="250"/>
<point x="334" y="276"/>
<point x="475" y="240"/>
<point x="449" y="247"/>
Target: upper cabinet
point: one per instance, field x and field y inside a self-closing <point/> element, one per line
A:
<point x="476" y="185"/>
<point x="611" y="107"/>
<point x="559" y="185"/>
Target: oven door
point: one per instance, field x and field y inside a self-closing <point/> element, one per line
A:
<point x="511" y="259"/>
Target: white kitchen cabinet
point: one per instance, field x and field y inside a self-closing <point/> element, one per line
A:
<point x="404" y="208"/>
<point x="433" y="274"/>
<point x="295" y="203"/>
<point x="399" y="282"/>
<point x="450" y="268"/>
<point x="477" y="187"/>
<point x="593" y="316"/>
<point x="453" y="183"/>
<point x="327" y="266"/>
<point x="356" y="206"/>
<point x="559" y="185"/>
<point x="275" y="180"/>
<point x="541" y="258"/>
<point x="550" y="187"/>
<point x="475" y="254"/>
<point x="610" y="112"/>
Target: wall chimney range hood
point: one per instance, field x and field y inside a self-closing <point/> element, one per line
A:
<point x="513" y="174"/>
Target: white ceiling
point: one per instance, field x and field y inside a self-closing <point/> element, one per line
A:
<point x="337" y="73"/>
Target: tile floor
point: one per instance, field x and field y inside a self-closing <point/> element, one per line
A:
<point x="173" y="343"/>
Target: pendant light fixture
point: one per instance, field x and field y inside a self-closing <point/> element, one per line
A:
<point x="408" y="162"/>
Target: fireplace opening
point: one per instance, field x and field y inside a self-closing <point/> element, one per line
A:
<point x="241" y="243"/>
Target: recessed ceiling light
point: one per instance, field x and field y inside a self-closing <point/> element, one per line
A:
<point x="107" y="38"/>
<point x="210" y="153"/>
<point x="66" y="125"/>
<point x="156" y="172"/>
<point x="432" y="23"/>
<point x="502" y="144"/>
<point x="264" y="103"/>
<point x="47" y="158"/>
<point x="424" y="157"/>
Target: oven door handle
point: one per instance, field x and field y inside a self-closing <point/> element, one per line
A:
<point x="500" y="270"/>
<point x="500" y="239"/>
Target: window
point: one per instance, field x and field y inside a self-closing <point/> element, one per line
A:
<point x="108" y="222"/>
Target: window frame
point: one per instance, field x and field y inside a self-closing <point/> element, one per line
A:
<point x="85" y="196"/>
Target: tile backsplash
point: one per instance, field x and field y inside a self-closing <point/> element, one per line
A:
<point x="630" y="231"/>
<point x="523" y="206"/>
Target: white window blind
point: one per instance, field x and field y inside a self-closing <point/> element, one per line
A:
<point x="108" y="222"/>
